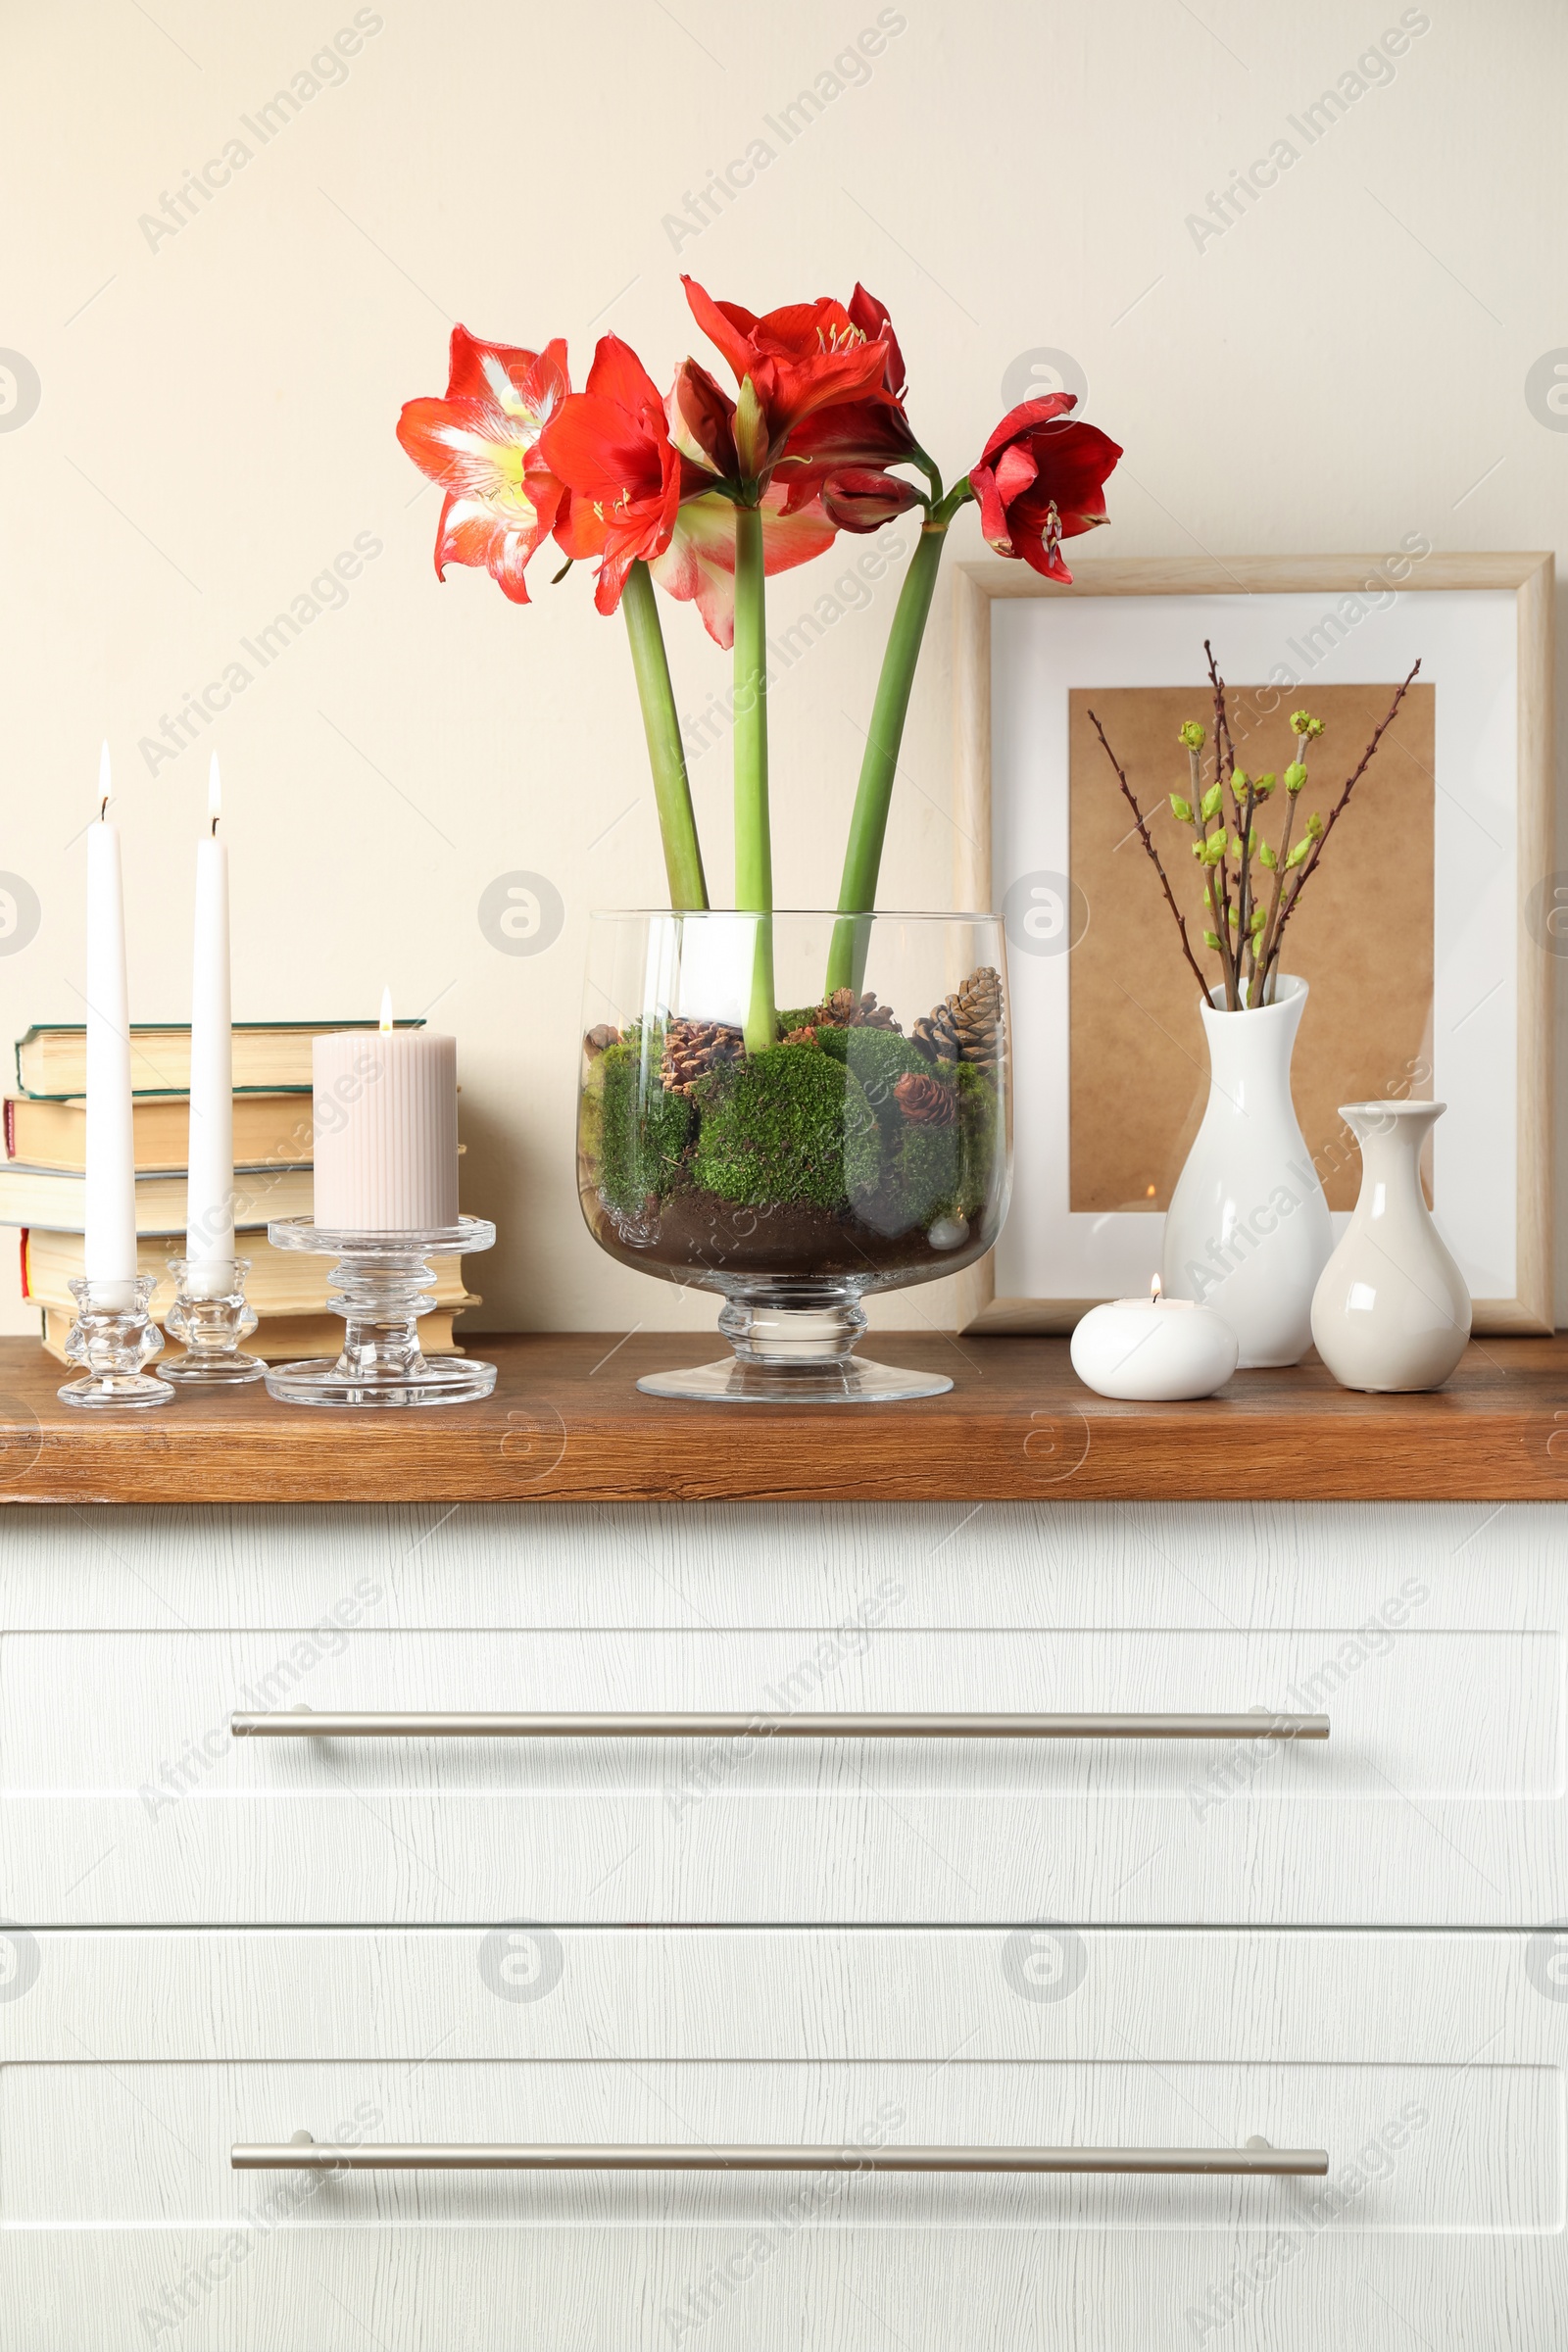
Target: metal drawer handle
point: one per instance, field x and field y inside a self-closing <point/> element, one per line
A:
<point x="304" y="1723"/>
<point x="303" y="2154"/>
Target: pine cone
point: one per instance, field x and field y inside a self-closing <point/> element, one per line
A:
<point x="801" y="1037"/>
<point x="599" y="1041"/>
<point x="968" y="1026"/>
<point x="927" y="1101"/>
<point x="843" y="1009"/>
<point x="691" y="1049"/>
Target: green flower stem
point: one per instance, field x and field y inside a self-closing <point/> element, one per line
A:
<point x="666" y="755"/>
<point x="754" y="849"/>
<point x="868" y="821"/>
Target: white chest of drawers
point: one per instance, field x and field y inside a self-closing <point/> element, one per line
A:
<point x="1341" y="1945"/>
<point x="1433" y="1641"/>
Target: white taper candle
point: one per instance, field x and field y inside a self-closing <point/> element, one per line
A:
<point x="210" y="1199"/>
<point x="109" y="1255"/>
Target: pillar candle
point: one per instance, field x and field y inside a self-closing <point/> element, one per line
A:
<point x="210" y="1201"/>
<point x="385" y="1117"/>
<point x="109" y="1255"/>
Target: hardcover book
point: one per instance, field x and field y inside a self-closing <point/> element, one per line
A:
<point x="270" y="1057"/>
<point x="281" y="1338"/>
<point x="281" y="1281"/>
<point x="45" y="1197"/>
<point x="270" y="1131"/>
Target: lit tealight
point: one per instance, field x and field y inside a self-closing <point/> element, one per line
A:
<point x="1154" y="1350"/>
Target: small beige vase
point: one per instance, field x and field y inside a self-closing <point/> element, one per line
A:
<point x="1392" y="1310"/>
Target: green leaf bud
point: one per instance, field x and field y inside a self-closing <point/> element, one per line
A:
<point x="1180" y="810"/>
<point x="1208" y="806"/>
<point x="1193" y="736"/>
<point x="1211" y="940"/>
<point x="1301" y="850"/>
<point x="1264" y="785"/>
<point x="1314" y="827"/>
<point x="1266" y="859"/>
<point x="1294" y="778"/>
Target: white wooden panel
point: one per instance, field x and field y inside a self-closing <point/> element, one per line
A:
<point x="132" y="2145"/>
<point x="1052" y="1563"/>
<point x="1439" y="1799"/>
<point x="1429" y="2066"/>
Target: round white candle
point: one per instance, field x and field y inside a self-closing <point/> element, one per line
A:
<point x="210" y="1195"/>
<point x="385" y="1116"/>
<point x="110" y="1254"/>
<point x="1154" y="1349"/>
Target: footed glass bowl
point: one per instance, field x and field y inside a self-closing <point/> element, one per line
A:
<point x="794" y="1111"/>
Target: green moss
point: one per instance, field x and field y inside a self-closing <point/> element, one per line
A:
<point x="788" y="1124"/>
<point x="642" y="1131"/>
<point x="590" y="1121"/>
<point x="803" y="1016"/>
<point x="919" y="1181"/>
<point x="930" y="1171"/>
<point x="878" y="1058"/>
<point x="978" y="1115"/>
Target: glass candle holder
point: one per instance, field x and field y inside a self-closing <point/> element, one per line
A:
<point x="113" y="1336"/>
<point x="210" y="1316"/>
<point x="380" y="1287"/>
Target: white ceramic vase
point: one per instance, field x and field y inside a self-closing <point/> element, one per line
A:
<point x="1247" y="1230"/>
<point x="1392" y="1309"/>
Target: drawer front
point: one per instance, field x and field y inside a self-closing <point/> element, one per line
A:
<point x="1437" y="1798"/>
<point x="1428" y="2067"/>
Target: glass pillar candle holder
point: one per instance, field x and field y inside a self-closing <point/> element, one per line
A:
<point x="211" y="1327"/>
<point x="380" y="1287"/>
<point x="113" y="1336"/>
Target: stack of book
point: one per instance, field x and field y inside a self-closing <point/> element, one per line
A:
<point x="43" y="1180"/>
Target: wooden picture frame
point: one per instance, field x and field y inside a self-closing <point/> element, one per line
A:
<point x="1529" y="578"/>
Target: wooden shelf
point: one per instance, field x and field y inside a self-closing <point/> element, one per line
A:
<point x="566" y="1424"/>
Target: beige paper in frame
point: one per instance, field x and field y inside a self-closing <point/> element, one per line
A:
<point x="1527" y="580"/>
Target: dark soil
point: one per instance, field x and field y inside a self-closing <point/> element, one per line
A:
<point x="700" y="1234"/>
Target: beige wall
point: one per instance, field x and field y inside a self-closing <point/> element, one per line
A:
<point x="1345" y="362"/>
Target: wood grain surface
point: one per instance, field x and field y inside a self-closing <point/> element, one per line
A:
<point x="1425" y="2065"/>
<point x="566" y="1424"/>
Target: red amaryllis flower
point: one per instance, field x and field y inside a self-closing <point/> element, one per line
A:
<point x="806" y="357"/>
<point x="481" y="444"/>
<point x="1041" y="479"/>
<point x="699" y="561"/>
<point x="635" y="494"/>
<point x="828" y="453"/>
<point x="858" y="498"/>
<point x="611" y="447"/>
<point x="702" y="421"/>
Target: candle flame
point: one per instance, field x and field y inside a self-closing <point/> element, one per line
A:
<point x="106" y="789"/>
<point x="386" y="1007"/>
<point x="215" y="794"/>
<point x="1154" y="1291"/>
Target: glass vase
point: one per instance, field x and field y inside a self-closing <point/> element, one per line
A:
<point x="859" y="1140"/>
